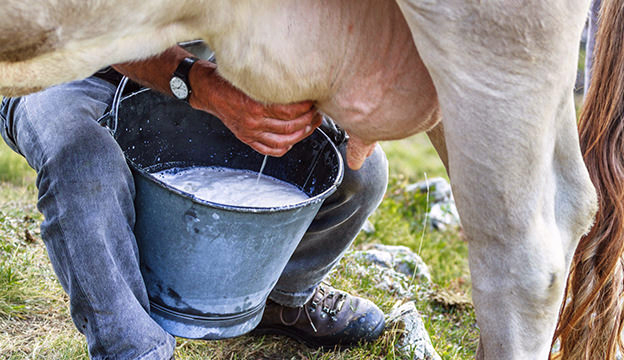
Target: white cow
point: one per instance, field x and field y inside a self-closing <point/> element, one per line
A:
<point x="499" y="75"/>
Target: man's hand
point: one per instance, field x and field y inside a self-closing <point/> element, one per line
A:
<point x="268" y="129"/>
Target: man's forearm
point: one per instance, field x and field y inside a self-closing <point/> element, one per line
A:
<point x="156" y="72"/>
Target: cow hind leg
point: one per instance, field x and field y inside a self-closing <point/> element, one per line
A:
<point x="524" y="203"/>
<point x="504" y="74"/>
<point x="592" y="318"/>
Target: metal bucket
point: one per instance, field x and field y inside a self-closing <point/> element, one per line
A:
<point x="208" y="267"/>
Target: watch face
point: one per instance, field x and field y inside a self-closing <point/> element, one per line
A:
<point x="178" y="88"/>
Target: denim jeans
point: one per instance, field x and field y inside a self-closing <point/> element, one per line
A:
<point x="86" y="194"/>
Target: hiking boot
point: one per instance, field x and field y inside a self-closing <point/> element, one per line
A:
<point x="332" y="317"/>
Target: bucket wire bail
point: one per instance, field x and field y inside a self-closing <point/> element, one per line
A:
<point x="110" y="118"/>
<point x="114" y="112"/>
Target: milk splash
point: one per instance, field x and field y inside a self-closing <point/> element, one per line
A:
<point x="232" y="187"/>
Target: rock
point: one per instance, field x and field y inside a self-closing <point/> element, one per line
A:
<point x="414" y="341"/>
<point x="387" y="279"/>
<point x="405" y="261"/>
<point x="439" y="189"/>
<point x="398" y="258"/>
<point x="378" y="257"/>
<point x="368" y="227"/>
<point x="395" y="269"/>
<point x="443" y="212"/>
<point x="444" y="215"/>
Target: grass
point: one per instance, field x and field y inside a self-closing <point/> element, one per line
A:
<point x="14" y="169"/>
<point x="412" y="158"/>
<point x="34" y="315"/>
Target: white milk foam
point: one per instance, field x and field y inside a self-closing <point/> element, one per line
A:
<point x="232" y="187"/>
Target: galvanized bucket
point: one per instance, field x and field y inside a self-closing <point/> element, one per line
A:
<point x="208" y="267"/>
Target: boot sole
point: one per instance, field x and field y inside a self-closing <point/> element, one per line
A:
<point x="310" y="341"/>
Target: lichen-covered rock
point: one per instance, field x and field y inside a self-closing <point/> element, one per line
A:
<point x="413" y="342"/>
<point x="378" y="257"/>
<point x="399" y="258"/>
<point x="395" y="269"/>
<point x="386" y="279"/>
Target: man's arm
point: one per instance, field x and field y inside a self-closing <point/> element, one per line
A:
<point x="269" y="129"/>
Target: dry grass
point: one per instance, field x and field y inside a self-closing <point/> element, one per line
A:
<point x="34" y="319"/>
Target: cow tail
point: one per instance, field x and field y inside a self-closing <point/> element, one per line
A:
<point x="590" y="321"/>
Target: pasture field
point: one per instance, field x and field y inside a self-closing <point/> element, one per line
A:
<point x="34" y="315"/>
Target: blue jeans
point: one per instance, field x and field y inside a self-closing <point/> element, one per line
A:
<point x="86" y="194"/>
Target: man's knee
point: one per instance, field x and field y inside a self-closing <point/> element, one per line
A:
<point x="59" y="124"/>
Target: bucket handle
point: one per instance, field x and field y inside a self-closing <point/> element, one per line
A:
<point x="114" y="112"/>
<point x="110" y="119"/>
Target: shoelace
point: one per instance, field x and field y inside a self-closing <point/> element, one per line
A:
<point x="331" y="304"/>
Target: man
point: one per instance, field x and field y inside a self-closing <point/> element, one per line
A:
<point x="86" y="194"/>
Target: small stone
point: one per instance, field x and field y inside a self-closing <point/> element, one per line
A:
<point x="368" y="228"/>
<point x="439" y="189"/>
<point x="386" y="279"/>
<point x="444" y="215"/>
<point x="414" y="341"/>
<point x="442" y="210"/>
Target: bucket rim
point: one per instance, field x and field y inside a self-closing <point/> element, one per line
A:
<point x="248" y="209"/>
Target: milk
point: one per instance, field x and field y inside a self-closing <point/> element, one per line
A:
<point x="232" y="187"/>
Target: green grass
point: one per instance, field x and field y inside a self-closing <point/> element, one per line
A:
<point x="413" y="157"/>
<point x="13" y="167"/>
<point x="34" y="315"/>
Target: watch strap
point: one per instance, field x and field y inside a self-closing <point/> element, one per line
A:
<point x="182" y="71"/>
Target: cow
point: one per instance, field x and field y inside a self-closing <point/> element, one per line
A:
<point x="490" y="81"/>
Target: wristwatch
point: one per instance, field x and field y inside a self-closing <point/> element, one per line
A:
<point x="179" y="82"/>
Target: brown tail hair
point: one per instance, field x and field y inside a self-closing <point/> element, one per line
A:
<point x="591" y="317"/>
